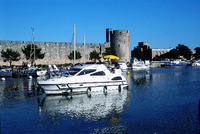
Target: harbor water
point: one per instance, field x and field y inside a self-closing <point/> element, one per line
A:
<point x="165" y="100"/>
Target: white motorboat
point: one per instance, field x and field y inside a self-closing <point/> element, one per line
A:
<point x="85" y="79"/>
<point x="52" y="69"/>
<point x="41" y="72"/>
<point x="140" y="65"/>
<point x="196" y="63"/>
<point x="123" y="66"/>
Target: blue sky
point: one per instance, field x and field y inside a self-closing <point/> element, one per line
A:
<point x="162" y="23"/>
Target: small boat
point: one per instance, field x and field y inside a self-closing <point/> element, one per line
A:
<point x="85" y="78"/>
<point x="27" y="72"/>
<point x="175" y="63"/>
<point x="137" y="65"/>
<point x="5" y="72"/>
<point x="196" y="63"/>
<point x="41" y="72"/>
<point x="123" y="66"/>
<point x="51" y="70"/>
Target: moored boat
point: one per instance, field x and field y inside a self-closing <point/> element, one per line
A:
<point x="123" y="66"/>
<point x="137" y="65"/>
<point x="196" y="63"/>
<point x="5" y="72"/>
<point x="84" y="79"/>
<point x="175" y="63"/>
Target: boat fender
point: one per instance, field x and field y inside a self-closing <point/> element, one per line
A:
<point x="127" y="87"/>
<point x="105" y="89"/>
<point x="119" y="88"/>
<point x="89" y="90"/>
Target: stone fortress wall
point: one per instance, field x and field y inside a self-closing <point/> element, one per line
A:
<point x="157" y="52"/>
<point x="55" y="52"/>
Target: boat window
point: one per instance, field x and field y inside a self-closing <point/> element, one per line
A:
<point x="87" y="71"/>
<point x="117" y="78"/>
<point x="101" y="73"/>
<point x="73" y="71"/>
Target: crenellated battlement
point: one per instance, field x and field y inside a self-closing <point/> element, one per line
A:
<point x="118" y="32"/>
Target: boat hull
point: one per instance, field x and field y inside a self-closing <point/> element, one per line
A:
<point x="5" y="73"/>
<point x="79" y="88"/>
<point x="139" y="67"/>
<point x="174" y="65"/>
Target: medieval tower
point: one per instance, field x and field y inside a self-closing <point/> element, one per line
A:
<point x="120" y="42"/>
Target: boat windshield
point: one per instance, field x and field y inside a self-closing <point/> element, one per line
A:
<point x="72" y="71"/>
<point x="87" y="71"/>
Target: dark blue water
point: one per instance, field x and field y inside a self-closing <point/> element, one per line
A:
<point x="164" y="101"/>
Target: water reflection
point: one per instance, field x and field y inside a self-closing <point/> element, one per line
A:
<point x="140" y="77"/>
<point x="15" y="88"/>
<point x="92" y="108"/>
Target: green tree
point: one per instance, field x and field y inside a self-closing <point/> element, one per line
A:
<point x="29" y="52"/>
<point x="147" y="54"/>
<point x="95" y="55"/>
<point x="71" y="55"/>
<point x="137" y="53"/>
<point x="172" y="54"/>
<point x="109" y="51"/>
<point x="197" y="54"/>
<point x="184" y="51"/>
<point x="181" y="50"/>
<point x="10" y="55"/>
<point x="143" y="55"/>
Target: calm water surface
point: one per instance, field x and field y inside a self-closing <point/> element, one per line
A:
<point x="164" y="101"/>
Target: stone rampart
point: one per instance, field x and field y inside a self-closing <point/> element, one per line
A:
<point x="158" y="52"/>
<point x="55" y="52"/>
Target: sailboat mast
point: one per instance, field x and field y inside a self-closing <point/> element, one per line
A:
<point x="33" y="43"/>
<point x="84" y="50"/>
<point x="74" y="44"/>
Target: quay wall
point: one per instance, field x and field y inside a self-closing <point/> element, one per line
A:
<point x="55" y="52"/>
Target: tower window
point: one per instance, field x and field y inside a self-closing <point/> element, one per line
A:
<point x="118" y="45"/>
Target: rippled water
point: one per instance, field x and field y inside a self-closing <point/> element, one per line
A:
<point x="164" y="101"/>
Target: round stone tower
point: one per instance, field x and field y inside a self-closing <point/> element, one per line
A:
<point x="120" y="42"/>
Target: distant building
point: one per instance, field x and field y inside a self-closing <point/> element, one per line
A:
<point x="144" y="46"/>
